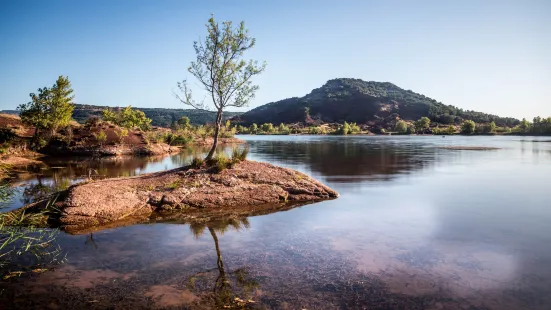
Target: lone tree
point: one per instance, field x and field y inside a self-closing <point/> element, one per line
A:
<point x="422" y="124"/>
<point x="50" y="109"/>
<point x="221" y="71"/>
<point x="468" y="127"/>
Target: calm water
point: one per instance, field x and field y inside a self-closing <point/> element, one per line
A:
<point x="416" y="227"/>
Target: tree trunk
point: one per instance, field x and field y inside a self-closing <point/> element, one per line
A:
<point x="216" y="133"/>
<point x="34" y="139"/>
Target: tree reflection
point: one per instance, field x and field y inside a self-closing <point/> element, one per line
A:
<point x="349" y="160"/>
<point x="232" y="289"/>
<point x="44" y="189"/>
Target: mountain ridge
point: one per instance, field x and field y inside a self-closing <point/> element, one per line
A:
<point x="161" y="117"/>
<point x="363" y="102"/>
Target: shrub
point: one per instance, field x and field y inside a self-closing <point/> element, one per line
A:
<point x="197" y="162"/>
<point x="179" y="139"/>
<point x="121" y="134"/>
<point x="127" y="118"/>
<point x="267" y="128"/>
<point x="468" y="127"/>
<point x="344" y="129"/>
<point x="451" y="130"/>
<point x="221" y="162"/>
<point x="156" y="136"/>
<point x="316" y="130"/>
<point x="239" y="155"/>
<point x="422" y="124"/>
<point x="401" y="127"/>
<point x="253" y="129"/>
<point x="101" y="137"/>
<point x="92" y="121"/>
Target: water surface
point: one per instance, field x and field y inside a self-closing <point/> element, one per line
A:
<point x="415" y="227"/>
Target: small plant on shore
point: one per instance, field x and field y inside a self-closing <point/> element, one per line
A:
<point x="239" y="154"/>
<point x="174" y="185"/>
<point x="121" y="134"/>
<point x="197" y="162"/>
<point x="220" y="162"/>
<point x="101" y="137"/>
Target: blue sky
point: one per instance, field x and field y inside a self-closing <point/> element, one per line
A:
<point x="491" y="56"/>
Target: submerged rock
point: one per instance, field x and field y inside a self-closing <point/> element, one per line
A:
<point x="247" y="183"/>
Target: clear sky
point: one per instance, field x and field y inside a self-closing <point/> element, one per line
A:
<point x="485" y="55"/>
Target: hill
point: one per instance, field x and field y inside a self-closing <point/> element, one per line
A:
<point x="159" y="116"/>
<point x="355" y="100"/>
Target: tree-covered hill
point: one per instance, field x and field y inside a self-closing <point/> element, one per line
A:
<point x="355" y="100"/>
<point x="159" y="116"/>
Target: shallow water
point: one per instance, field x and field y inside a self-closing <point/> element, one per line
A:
<point x="416" y="227"/>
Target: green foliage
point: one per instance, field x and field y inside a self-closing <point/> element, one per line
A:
<point x="221" y="162"/>
<point x="267" y="128"/>
<point x="347" y="129"/>
<point x="358" y="99"/>
<point x="101" y="137"/>
<point x="128" y="118"/>
<point x="253" y="129"/>
<point x="184" y="123"/>
<point x="487" y="128"/>
<point x="354" y="129"/>
<point x="121" y="134"/>
<point x="239" y="154"/>
<point x="197" y="162"/>
<point x="540" y="126"/>
<point x="422" y="124"/>
<point x="401" y="127"/>
<point x="344" y="129"/>
<point x="221" y="70"/>
<point x="50" y="109"/>
<point x="283" y="129"/>
<point x="174" y="185"/>
<point x="160" y="117"/>
<point x="451" y="130"/>
<point x="180" y="138"/>
<point x="316" y="130"/>
<point x="468" y="127"/>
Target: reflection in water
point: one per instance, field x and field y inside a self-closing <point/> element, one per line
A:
<point x="348" y="160"/>
<point x="231" y="289"/>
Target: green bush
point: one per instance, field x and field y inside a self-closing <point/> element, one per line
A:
<point x="220" y="162"/>
<point x="197" y="162"/>
<point x="267" y="128"/>
<point x="239" y="154"/>
<point x="401" y="127"/>
<point x="127" y="118"/>
<point x="468" y="127"/>
<point x="101" y="137"/>
<point x="121" y="134"/>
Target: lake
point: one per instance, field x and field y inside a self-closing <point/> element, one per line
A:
<point x="416" y="227"/>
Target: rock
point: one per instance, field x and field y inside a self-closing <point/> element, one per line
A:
<point x="247" y="183"/>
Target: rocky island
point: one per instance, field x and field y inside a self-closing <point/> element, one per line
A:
<point x="247" y="185"/>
